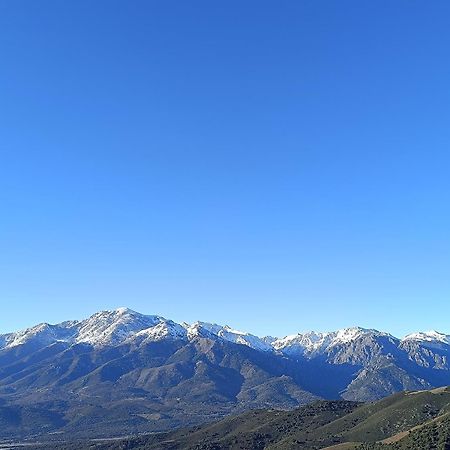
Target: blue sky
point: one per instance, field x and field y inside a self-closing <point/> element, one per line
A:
<point x="277" y="166"/>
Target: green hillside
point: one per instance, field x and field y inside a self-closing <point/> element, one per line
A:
<point x="321" y="425"/>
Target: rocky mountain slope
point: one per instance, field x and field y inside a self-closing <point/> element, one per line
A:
<point x="121" y="372"/>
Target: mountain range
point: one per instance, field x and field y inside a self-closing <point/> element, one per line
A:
<point x="120" y="372"/>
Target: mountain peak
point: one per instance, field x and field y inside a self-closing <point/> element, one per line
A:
<point x="113" y="327"/>
<point x="42" y="334"/>
<point x="122" y="310"/>
<point x="428" y="336"/>
<point x="349" y="334"/>
<point x="312" y="341"/>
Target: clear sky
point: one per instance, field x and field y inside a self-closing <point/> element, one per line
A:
<point x="277" y="166"/>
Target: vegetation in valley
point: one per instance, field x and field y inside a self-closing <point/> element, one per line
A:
<point x="417" y="420"/>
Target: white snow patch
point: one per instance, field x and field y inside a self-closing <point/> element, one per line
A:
<point x="428" y="336"/>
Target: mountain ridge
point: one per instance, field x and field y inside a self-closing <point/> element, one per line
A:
<point x="109" y="327"/>
<point x="122" y="370"/>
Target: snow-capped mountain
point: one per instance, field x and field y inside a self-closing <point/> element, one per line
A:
<point x="114" y="327"/>
<point x="429" y="349"/>
<point x="312" y="342"/>
<point x="165" y="329"/>
<point x="433" y="337"/>
<point x="109" y="328"/>
<point x="230" y="335"/>
<point x="350" y="345"/>
<point x="102" y="328"/>
<point x="356" y="347"/>
<point x="42" y="334"/>
<point x="136" y="367"/>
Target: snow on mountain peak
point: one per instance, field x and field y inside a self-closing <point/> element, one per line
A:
<point x="302" y="342"/>
<point x="428" y="336"/>
<point x="166" y="329"/>
<point x="241" y="337"/>
<point x="313" y="342"/>
<point x="204" y="329"/>
<point x="349" y="334"/>
<point x="43" y="334"/>
<point x="113" y="327"/>
<point x="201" y="329"/>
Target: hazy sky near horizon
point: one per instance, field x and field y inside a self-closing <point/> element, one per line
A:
<point x="276" y="166"/>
